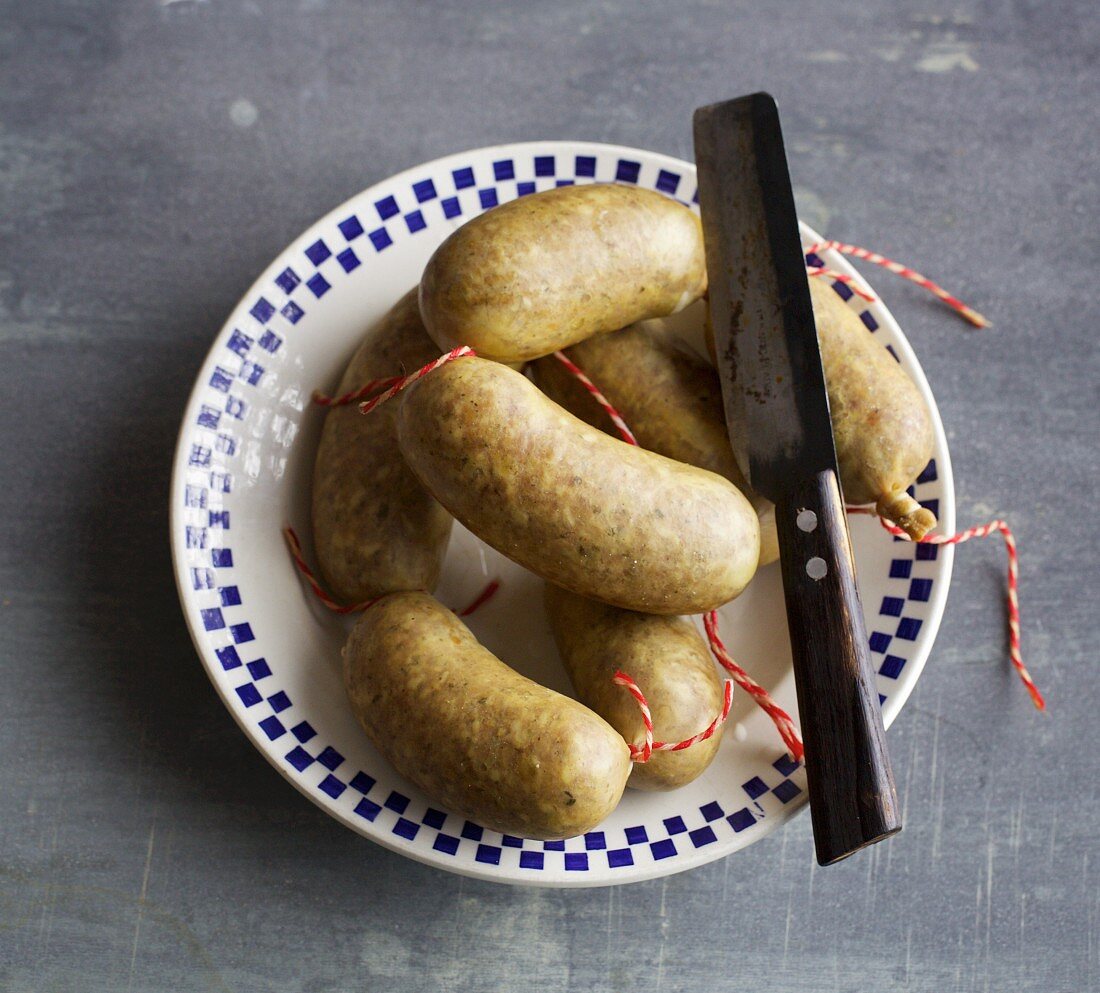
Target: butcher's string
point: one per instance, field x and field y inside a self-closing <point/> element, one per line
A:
<point x="813" y="269"/>
<point x="981" y="531"/>
<point x="642" y="753"/>
<point x="390" y="385"/>
<point x="295" y="547"/>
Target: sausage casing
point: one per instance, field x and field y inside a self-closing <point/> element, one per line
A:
<point x="670" y="399"/>
<point x="881" y="425"/>
<point x="552" y="268"/>
<point x="473" y="734"/>
<point x="375" y="528"/>
<point x="574" y="506"/>
<point x="882" y="428"/>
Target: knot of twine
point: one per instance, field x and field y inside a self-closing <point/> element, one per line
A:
<point x="981" y="530"/>
<point x="324" y="400"/>
<point x="642" y="753"/>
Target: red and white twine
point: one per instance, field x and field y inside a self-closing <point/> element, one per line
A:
<point x="841" y="277"/>
<point x="983" y="531"/>
<point x="642" y="753"/>
<point x="895" y="267"/>
<point x="324" y="400"/>
<point x="620" y="424"/>
<point x="401" y="382"/>
<point x="481" y="599"/>
<point x="295" y="547"/>
<point x="761" y="697"/>
<point x="391" y="384"/>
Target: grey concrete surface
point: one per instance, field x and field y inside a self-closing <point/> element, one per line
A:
<point x="155" y="154"/>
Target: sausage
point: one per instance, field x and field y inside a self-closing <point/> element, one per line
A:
<point x="669" y="397"/>
<point x="668" y="660"/>
<point x="476" y="736"/>
<point x="375" y="529"/>
<point x="549" y="269"/>
<point x="881" y="425"/>
<point x="576" y="507"/>
<point x="882" y="428"/>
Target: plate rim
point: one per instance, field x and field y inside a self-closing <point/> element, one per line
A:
<point x="690" y="860"/>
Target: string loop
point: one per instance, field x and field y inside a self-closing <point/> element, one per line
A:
<point x="295" y="547"/>
<point x="983" y="531"/>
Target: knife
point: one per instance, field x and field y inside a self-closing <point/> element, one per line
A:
<point x="777" y="412"/>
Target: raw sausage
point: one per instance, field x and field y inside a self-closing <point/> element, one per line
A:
<point x="375" y="529"/>
<point x="578" y="508"/>
<point x="882" y="428"/>
<point x="881" y="425"/>
<point x="669" y="397"/>
<point x="474" y="735"/>
<point x="552" y="268"/>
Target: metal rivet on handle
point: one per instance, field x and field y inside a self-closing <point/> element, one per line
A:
<point x="817" y="568"/>
<point x="806" y="520"/>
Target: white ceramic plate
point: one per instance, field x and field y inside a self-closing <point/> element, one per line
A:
<point x="242" y="471"/>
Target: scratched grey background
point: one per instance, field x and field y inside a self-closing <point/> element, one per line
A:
<point x="156" y="154"/>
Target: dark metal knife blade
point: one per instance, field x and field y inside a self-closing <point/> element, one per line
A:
<point x="777" y="411"/>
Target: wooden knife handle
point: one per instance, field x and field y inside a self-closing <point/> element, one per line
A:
<point x="853" y="801"/>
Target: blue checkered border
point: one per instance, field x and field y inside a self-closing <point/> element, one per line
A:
<point x="213" y="461"/>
